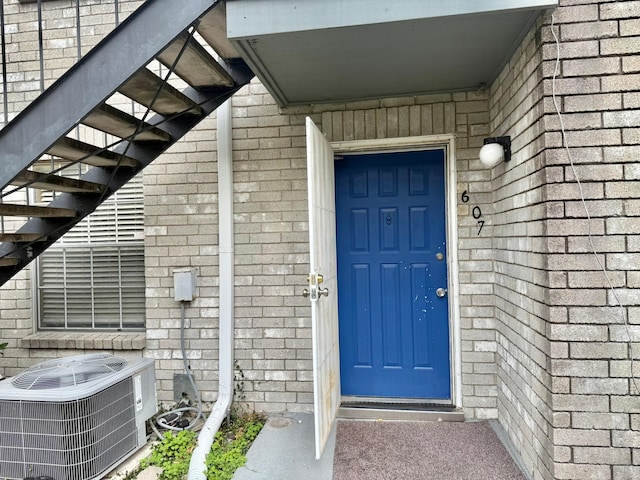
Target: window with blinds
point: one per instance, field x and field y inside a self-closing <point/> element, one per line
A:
<point x="93" y="277"/>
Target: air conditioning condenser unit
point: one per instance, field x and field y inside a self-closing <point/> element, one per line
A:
<point x="74" y="418"/>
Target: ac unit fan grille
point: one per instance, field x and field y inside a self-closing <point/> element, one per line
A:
<point x="67" y="372"/>
<point x="72" y="440"/>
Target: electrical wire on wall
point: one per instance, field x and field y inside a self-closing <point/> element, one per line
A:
<point x="173" y="419"/>
<point x="595" y="252"/>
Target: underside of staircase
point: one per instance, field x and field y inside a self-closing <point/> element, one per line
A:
<point x="149" y="82"/>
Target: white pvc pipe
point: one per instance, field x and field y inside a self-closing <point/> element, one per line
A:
<point x="197" y="467"/>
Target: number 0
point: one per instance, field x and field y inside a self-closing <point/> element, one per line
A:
<point x="476" y="212"/>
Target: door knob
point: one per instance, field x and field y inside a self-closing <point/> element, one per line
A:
<point x="314" y="292"/>
<point x="321" y="292"/>
<point x="441" y="292"/>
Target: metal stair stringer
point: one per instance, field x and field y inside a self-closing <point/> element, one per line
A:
<point x="116" y="65"/>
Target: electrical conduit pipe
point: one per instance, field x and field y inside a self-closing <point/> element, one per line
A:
<point x="197" y="466"/>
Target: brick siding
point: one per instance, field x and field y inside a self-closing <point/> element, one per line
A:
<point x="273" y="326"/>
<point x="519" y="253"/>
<point x="564" y="377"/>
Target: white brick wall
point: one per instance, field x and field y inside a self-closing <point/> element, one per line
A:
<point x="521" y="311"/>
<point x="273" y="325"/>
<point x="563" y="358"/>
<point x="97" y="18"/>
<point x="594" y="368"/>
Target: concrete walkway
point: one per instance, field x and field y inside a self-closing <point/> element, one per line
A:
<point x="285" y="450"/>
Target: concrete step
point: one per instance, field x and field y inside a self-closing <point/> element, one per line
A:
<point x="428" y="414"/>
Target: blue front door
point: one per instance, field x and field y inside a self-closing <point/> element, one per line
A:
<point x="394" y="327"/>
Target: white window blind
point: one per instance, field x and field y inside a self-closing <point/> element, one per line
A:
<point x="93" y="277"/>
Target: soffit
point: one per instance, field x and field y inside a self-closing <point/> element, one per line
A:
<point x="307" y="51"/>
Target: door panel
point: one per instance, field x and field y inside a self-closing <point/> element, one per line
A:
<point x="323" y="274"/>
<point x="394" y="329"/>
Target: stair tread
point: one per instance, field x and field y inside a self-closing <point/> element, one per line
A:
<point x="55" y="183"/>
<point x="77" y="151"/>
<point x="8" y="262"/>
<point x="120" y="124"/>
<point x="22" y="237"/>
<point x="142" y="88"/>
<point x="11" y="210"/>
<point x="196" y="66"/>
<point x="213" y="29"/>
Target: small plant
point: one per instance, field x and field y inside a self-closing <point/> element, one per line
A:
<point x="228" y="452"/>
<point x="172" y="454"/>
<point x="133" y="474"/>
<point x="2" y="347"/>
<point x="239" y="377"/>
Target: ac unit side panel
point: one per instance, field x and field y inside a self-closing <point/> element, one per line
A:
<point x="145" y="391"/>
<point x="146" y="400"/>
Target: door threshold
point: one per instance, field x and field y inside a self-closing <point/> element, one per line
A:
<point x="409" y="412"/>
<point x="418" y="403"/>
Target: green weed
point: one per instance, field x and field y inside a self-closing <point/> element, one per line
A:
<point x="229" y="449"/>
<point x="172" y="454"/>
<point x="228" y="452"/>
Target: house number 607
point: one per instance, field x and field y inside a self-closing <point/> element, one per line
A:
<point x="476" y="212"/>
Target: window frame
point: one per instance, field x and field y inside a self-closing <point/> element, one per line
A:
<point x="105" y="237"/>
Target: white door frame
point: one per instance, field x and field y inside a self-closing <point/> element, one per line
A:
<point x="430" y="142"/>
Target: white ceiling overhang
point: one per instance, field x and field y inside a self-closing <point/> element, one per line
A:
<point x="314" y="51"/>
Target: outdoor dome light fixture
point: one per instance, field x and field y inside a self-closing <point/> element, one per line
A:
<point x="495" y="150"/>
